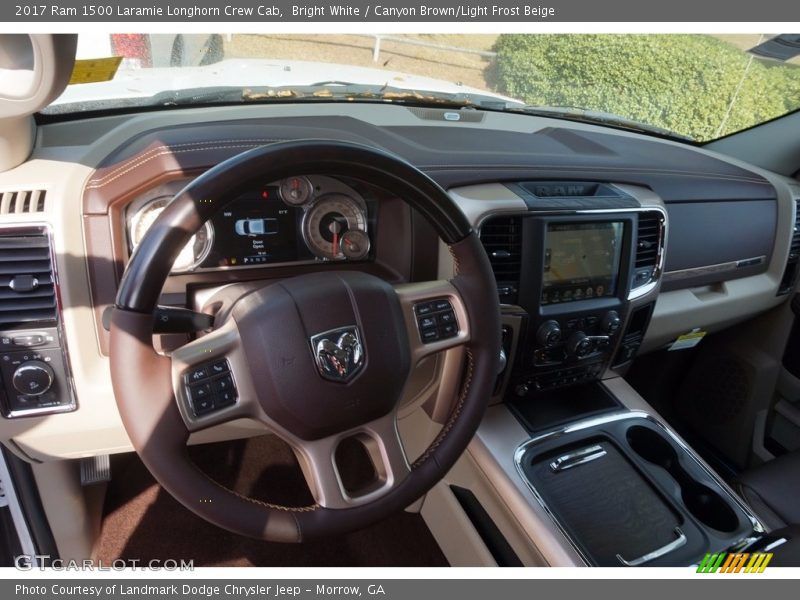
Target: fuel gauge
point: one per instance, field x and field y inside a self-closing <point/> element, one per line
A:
<point x="355" y="244"/>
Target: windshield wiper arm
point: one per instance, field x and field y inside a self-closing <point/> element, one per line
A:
<point x="325" y="91"/>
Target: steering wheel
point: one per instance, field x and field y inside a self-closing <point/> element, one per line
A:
<point x="317" y="358"/>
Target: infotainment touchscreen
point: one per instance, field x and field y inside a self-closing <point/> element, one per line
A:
<point x="581" y="261"/>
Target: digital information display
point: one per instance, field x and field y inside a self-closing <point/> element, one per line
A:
<point x="257" y="228"/>
<point x="581" y="261"/>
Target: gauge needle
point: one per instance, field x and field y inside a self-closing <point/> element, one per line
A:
<point x="335" y="231"/>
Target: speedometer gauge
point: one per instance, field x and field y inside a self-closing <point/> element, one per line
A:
<point x="192" y="254"/>
<point x="328" y="219"/>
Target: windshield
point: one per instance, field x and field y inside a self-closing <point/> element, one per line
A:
<point x="696" y="86"/>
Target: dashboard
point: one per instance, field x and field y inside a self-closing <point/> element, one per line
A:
<point x="604" y="244"/>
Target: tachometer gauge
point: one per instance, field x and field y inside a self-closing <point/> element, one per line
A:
<point x="328" y="220"/>
<point x="195" y="251"/>
<point x="296" y="191"/>
<point x="355" y="244"/>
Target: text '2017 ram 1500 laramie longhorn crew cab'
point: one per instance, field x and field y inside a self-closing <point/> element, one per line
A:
<point x="265" y="310"/>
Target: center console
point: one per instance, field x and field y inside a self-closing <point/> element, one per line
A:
<point x="580" y="282"/>
<point x="584" y="463"/>
<point x="627" y="492"/>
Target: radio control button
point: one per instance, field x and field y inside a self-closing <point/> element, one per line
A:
<point x="549" y="334"/>
<point x="579" y="345"/>
<point x="611" y="322"/>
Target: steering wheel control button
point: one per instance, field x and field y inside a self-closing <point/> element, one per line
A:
<point x="427" y="322"/>
<point x="196" y="375"/>
<point x="201" y="398"/>
<point x="447" y="317"/>
<point x="448" y="330"/>
<point x="219" y="368"/>
<point x="440" y="305"/>
<point x="423" y="309"/>
<point x="436" y="320"/>
<point x="210" y="387"/>
<point x="223" y="384"/>
<point x="224" y="398"/>
<point x="430" y="335"/>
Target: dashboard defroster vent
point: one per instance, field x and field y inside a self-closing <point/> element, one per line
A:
<point x="793" y="262"/>
<point x="649" y="246"/>
<point x="502" y="240"/>
<point x="22" y="202"/>
<point x="27" y="290"/>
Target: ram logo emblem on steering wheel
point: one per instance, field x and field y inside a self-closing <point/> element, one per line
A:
<point x="339" y="353"/>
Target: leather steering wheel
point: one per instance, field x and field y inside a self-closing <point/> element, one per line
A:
<point x="316" y="358"/>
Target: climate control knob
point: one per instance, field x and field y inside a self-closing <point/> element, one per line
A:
<point x="611" y="322"/>
<point x="579" y="344"/>
<point x="549" y="334"/>
<point x="33" y="378"/>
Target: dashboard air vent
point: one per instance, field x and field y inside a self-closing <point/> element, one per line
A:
<point x="27" y="290"/>
<point x="649" y="239"/>
<point x="22" y="202"/>
<point x="790" y="272"/>
<point x="502" y="240"/>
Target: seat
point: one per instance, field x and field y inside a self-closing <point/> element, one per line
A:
<point x="773" y="490"/>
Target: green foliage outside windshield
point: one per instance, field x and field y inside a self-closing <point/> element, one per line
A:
<point x="694" y="85"/>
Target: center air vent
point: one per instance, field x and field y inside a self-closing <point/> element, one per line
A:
<point x="27" y="291"/>
<point x="649" y="242"/>
<point x="502" y="240"/>
<point x="790" y="272"/>
<point x="22" y="202"/>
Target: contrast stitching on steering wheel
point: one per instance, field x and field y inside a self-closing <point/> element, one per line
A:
<point x="291" y="509"/>
<point x="453" y="417"/>
<point x="455" y="259"/>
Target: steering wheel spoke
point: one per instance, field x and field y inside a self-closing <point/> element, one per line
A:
<point x="211" y="381"/>
<point x="435" y="316"/>
<point x="382" y="443"/>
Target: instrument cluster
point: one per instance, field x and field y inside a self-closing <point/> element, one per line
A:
<point x="298" y="219"/>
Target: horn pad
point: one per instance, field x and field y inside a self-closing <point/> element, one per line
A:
<point x="327" y="351"/>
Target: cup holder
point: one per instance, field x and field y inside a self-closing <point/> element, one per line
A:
<point x="705" y="504"/>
